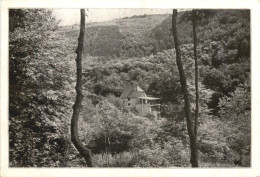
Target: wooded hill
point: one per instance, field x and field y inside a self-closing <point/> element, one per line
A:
<point x="140" y="49"/>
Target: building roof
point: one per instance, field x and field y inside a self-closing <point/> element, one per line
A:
<point x="136" y="94"/>
<point x="127" y="91"/>
<point x="132" y="91"/>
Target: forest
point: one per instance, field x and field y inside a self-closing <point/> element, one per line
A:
<point x="140" y="49"/>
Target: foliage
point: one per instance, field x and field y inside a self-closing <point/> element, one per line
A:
<point x="169" y="155"/>
<point x="116" y="130"/>
<point x="235" y="110"/>
<point x="42" y="81"/>
<point x="38" y="109"/>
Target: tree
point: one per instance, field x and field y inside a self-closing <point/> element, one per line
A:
<point x="235" y="111"/>
<point x="194" y="21"/>
<point x="77" y="106"/>
<point x="35" y="100"/>
<point x="183" y="82"/>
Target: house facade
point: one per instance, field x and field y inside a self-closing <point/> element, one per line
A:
<point x="134" y="97"/>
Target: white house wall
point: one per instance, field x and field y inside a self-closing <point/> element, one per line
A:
<point x="143" y="109"/>
<point x="133" y="102"/>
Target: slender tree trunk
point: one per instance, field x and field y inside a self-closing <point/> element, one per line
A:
<point x="77" y="106"/>
<point x="194" y="23"/>
<point x="187" y="107"/>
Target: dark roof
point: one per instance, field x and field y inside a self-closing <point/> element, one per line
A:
<point x="127" y="91"/>
<point x="132" y="91"/>
<point x="136" y="94"/>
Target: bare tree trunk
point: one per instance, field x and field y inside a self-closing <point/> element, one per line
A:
<point x="77" y="106"/>
<point x="194" y="21"/>
<point x="187" y="107"/>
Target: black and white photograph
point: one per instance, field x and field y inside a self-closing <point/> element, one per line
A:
<point x="131" y="88"/>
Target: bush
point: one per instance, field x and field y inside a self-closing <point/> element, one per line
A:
<point x="147" y="157"/>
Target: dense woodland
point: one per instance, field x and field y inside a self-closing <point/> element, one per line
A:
<point x="140" y="49"/>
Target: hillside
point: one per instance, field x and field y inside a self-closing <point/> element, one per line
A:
<point x="140" y="36"/>
<point x="136" y="49"/>
<point x="224" y="71"/>
<point x="127" y="37"/>
<point x="223" y="46"/>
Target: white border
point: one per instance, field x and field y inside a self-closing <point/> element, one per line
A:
<point x="255" y="72"/>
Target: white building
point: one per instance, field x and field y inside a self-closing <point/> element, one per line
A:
<point x="134" y="97"/>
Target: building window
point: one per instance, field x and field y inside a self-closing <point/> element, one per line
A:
<point x="128" y="99"/>
<point x="128" y="104"/>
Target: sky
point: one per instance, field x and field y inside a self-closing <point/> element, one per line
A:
<point x="72" y="16"/>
